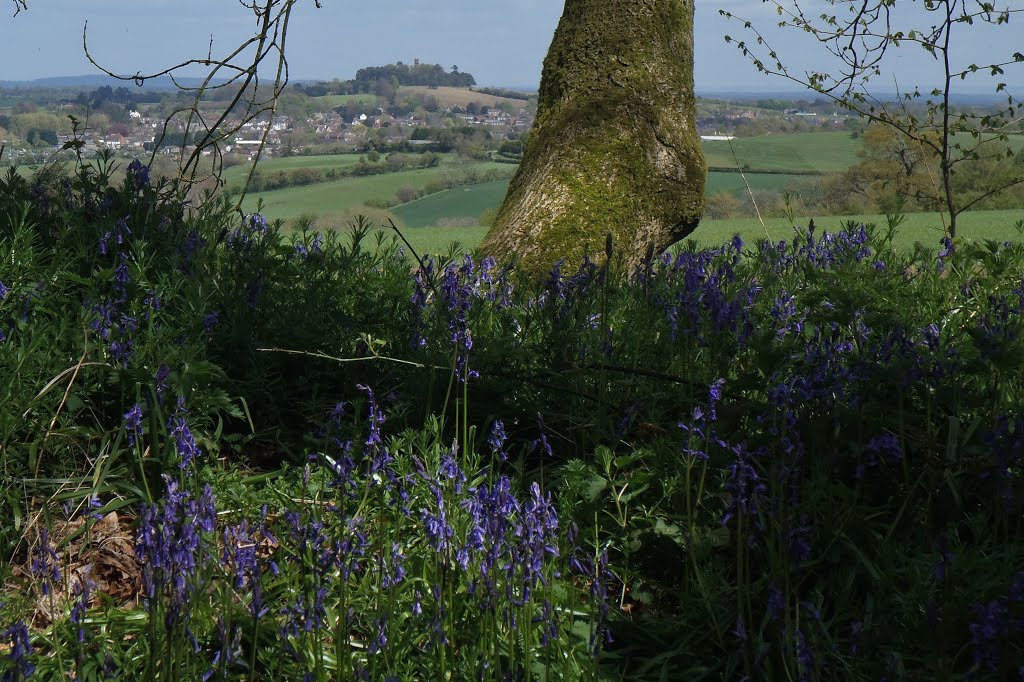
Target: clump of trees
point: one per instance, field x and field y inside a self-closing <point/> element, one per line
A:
<point x="369" y="79"/>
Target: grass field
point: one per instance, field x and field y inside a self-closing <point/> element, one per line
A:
<point x="331" y="101"/>
<point x="925" y="228"/>
<point x="237" y="174"/>
<point x="341" y="197"/>
<point x="456" y="97"/>
<point x="471" y="201"/>
<point x="824" y="152"/>
<point x="461" y="202"/>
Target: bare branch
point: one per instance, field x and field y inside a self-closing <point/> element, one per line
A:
<point x="266" y="47"/>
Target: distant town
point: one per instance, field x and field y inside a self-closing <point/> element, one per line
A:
<point x="415" y="107"/>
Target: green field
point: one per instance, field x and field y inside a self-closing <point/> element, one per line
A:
<point x="919" y="227"/>
<point x="343" y="197"/>
<point x="461" y="202"/>
<point x="331" y="101"/>
<point x="825" y="152"/>
<point x="237" y="174"/>
<point x="471" y="201"/>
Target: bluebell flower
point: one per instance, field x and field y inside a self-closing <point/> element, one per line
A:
<point x="497" y="439"/>
<point x="184" y="442"/>
<point x="133" y="423"/>
<point x="160" y="382"/>
<point x="380" y="640"/>
<point x="21" y="649"/>
<point x="170" y="543"/>
<point x="137" y="176"/>
<point x="989" y="630"/>
<point x="45" y="562"/>
<point x="4" y="291"/>
<point x="83" y="594"/>
<point x="375" y="451"/>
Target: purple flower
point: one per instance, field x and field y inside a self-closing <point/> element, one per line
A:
<point x="210" y="320"/>
<point x="381" y="639"/>
<point x="375" y="451"/>
<point x="4" y="290"/>
<point x="160" y="384"/>
<point x="133" y="423"/>
<point x="137" y="176"/>
<point x="45" y="562"/>
<point x="184" y="441"/>
<point x="497" y="439"/>
<point x="83" y="594"/>
<point x="170" y="543"/>
<point x="21" y="649"/>
<point x="989" y="629"/>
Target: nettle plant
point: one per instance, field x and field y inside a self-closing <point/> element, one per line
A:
<point x="865" y="38"/>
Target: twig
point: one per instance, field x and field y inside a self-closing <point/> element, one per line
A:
<point x="747" y="185"/>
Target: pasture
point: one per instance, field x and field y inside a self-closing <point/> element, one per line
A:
<point x="237" y="174"/>
<point x="471" y="201"/>
<point x="343" y="196"/>
<point x="331" y="101"/>
<point x="925" y="228"/>
<point x="825" y="152"/>
<point x="457" y="97"/>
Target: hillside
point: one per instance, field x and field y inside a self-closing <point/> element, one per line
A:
<point x="457" y="97"/>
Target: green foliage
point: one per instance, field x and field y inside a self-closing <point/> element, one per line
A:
<point x="798" y="459"/>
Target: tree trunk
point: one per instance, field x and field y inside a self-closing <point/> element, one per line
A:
<point x="615" y="147"/>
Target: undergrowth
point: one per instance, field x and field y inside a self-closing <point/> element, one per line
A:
<point x="231" y="453"/>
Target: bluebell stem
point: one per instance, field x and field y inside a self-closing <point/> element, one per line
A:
<point x="542" y="439"/>
<point x="747" y="491"/>
<point x="776" y="605"/>
<point x="449" y="467"/>
<point x="380" y="640"/>
<point x="601" y="634"/>
<point x="133" y="424"/>
<point x="160" y="382"/>
<point x="184" y="442"/>
<point x="83" y="594"/>
<point x="375" y="451"/>
<point x="420" y="296"/>
<point x="252" y="228"/>
<point x="188" y="249"/>
<point x="45" y="562"/>
<point x="439" y="531"/>
<point x="392" y="569"/>
<point x="497" y="439"/>
<point x="537" y="537"/>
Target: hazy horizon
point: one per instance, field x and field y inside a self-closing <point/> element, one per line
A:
<point x="502" y="44"/>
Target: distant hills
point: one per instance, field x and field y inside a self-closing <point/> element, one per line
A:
<point x="164" y="83"/>
<point x="97" y="81"/>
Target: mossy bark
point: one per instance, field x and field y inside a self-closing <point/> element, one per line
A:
<point x="615" y="147"/>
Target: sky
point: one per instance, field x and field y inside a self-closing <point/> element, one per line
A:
<point x="501" y="42"/>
